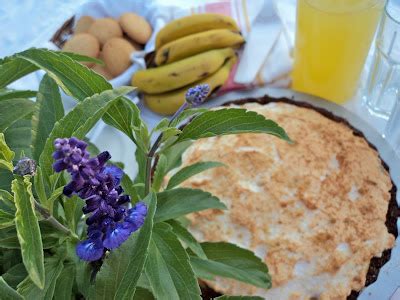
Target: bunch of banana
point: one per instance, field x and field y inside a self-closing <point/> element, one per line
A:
<point x="189" y="51"/>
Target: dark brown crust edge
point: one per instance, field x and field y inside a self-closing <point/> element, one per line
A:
<point x="393" y="210"/>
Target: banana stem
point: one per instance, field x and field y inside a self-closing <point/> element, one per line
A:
<point x="154" y="147"/>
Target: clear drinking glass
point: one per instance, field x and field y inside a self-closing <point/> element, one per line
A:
<point x="392" y="130"/>
<point x="333" y="38"/>
<point x="383" y="85"/>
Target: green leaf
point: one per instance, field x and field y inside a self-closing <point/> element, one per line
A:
<point x="190" y="171"/>
<point x="169" y="133"/>
<point x="159" y="173"/>
<point x="28" y="230"/>
<point x="161" y="125"/>
<point x="18" y="137"/>
<point x="129" y="188"/>
<point x="39" y="186"/>
<point x="11" y="110"/>
<point x="64" y="283"/>
<point x="73" y="211"/>
<point x="6" y="219"/>
<point x="6" y="155"/>
<point x="15" y="275"/>
<point x="177" y="202"/>
<point x="174" y="154"/>
<point x="122" y="115"/>
<point x="121" y="270"/>
<point x="75" y="79"/>
<point x="49" y="109"/>
<point x="12" y="94"/>
<point x="141" y="158"/>
<point x="78" y="122"/>
<point x="229" y="121"/>
<point x="7" y="292"/>
<point x="53" y="268"/>
<point x="168" y="268"/>
<point x="8" y="238"/>
<point x="186" y="114"/>
<point x="229" y="260"/>
<point x="13" y="68"/>
<point x="185" y="236"/>
<point x="143" y="294"/>
<point x="224" y="297"/>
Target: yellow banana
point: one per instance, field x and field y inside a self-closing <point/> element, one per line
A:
<point x="168" y="103"/>
<point x="197" y="43"/>
<point x="178" y="74"/>
<point x="193" y="24"/>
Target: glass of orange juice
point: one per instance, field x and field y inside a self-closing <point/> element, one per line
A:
<point x="333" y="38"/>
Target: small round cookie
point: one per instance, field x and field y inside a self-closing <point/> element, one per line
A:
<point x="136" y="45"/>
<point x="136" y="27"/>
<point x="116" y="54"/>
<point x="104" y="29"/>
<point x="84" y="44"/>
<point x="83" y="24"/>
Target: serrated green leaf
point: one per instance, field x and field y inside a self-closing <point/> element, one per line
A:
<point x="231" y="261"/>
<point x="6" y="155"/>
<point x="53" y="268"/>
<point x="168" y="269"/>
<point x="12" y="94"/>
<point x="15" y="275"/>
<point x="49" y="109"/>
<point x="121" y="270"/>
<point x="78" y="122"/>
<point x="75" y="79"/>
<point x="229" y="121"/>
<point x="186" y="114"/>
<point x="190" y="171"/>
<point x="64" y="283"/>
<point x="7" y="292"/>
<point x="28" y="230"/>
<point x="11" y="110"/>
<point x="224" y="297"/>
<point x="12" y="68"/>
<point x="185" y="236"/>
<point x="181" y="201"/>
<point x="159" y="172"/>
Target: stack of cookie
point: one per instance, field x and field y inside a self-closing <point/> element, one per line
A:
<point x="110" y="40"/>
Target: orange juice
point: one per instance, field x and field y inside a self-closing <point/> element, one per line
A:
<point x="332" y="42"/>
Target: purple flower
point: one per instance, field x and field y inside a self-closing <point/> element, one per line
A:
<point x="198" y="94"/>
<point x="110" y="222"/>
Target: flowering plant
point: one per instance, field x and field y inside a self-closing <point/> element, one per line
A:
<point x="72" y="224"/>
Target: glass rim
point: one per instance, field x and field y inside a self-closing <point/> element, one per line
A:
<point x="309" y="2"/>
<point x="389" y="14"/>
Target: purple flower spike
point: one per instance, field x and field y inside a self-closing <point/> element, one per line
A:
<point x="110" y="222"/>
<point x="198" y="94"/>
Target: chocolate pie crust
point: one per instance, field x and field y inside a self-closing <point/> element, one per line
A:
<point x="393" y="212"/>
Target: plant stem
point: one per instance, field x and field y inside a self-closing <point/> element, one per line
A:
<point x="53" y="221"/>
<point x="154" y="147"/>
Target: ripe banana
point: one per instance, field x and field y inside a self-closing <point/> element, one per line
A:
<point x="168" y="103"/>
<point x="197" y="43"/>
<point x="193" y="24"/>
<point x="178" y="74"/>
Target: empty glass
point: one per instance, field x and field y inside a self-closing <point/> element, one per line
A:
<point x="383" y="84"/>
